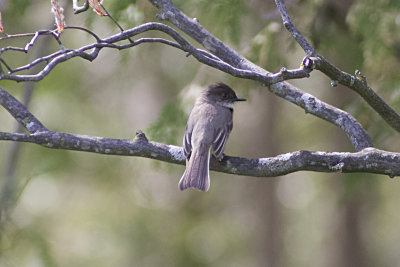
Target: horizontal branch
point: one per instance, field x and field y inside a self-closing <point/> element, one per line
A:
<point x="369" y="160"/>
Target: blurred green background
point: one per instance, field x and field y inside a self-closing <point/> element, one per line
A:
<point x="80" y="209"/>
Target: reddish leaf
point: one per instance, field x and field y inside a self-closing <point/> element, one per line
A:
<point x="1" y="24"/>
<point x="95" y="4"/>
<point x="58" y="15"/>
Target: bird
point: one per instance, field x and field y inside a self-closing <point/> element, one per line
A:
<point x="208" y="128"/>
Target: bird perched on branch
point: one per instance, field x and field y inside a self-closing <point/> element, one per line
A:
<point x="208" y="126"/>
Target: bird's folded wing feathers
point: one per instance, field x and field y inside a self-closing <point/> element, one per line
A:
<point x="187" y="143"/>
<point x="220" y="137"/>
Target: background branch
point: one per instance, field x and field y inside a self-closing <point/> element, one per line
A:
<point x="357" y="83"/>
<point x="110" y="42"/>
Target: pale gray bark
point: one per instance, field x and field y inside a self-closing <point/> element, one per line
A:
<point x="221" y="57"/>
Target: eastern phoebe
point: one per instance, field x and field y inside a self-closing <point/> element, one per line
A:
<point x="209" y="125"/>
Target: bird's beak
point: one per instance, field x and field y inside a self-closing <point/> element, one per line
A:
<point x="240" y="99"/>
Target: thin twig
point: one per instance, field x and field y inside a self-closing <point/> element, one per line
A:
<point x="109" y="15"/>
<point x="287" y="22"/>
<point x="31" y="43"/>
<point x="201" y="55"/>
<point x="116" y="23"/>
<point x="85" y="30"/>
<point x="78" y="9"/>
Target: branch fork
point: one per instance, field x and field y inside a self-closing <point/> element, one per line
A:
<point x="219" y="56"/>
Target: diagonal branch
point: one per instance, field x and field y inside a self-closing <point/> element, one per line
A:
<point x="310" y="104"/>
<point x="287" y="22"/>
<point x="357" y="83"/>
<point x="20" y="113"/>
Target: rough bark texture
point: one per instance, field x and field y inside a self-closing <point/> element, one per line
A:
<point x="221" y="57"/>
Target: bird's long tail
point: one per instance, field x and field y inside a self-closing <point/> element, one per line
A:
<point x="197" y="170"/>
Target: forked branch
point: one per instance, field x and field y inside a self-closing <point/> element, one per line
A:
<point x="312" y="105"/>
<point x="218" y="56"/>
<point x="357" y="83"/>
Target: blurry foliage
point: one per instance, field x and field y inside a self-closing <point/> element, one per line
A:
<point x="266" y="50"/>
<point x="223" y="16"/>
<point x="360" y="35"/>
<point x="377" y="23"/>
<point x="169" y="125"/>
<point x="18" y="7"/>
<point x="125" y="12"/>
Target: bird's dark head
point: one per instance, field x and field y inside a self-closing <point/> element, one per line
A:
<point x="222" y="94"/>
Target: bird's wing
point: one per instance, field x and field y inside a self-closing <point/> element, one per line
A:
<point x="187" y="143"/>
<point x="220" y="137"/>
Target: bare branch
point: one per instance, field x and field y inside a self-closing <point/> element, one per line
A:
<point x="357" y="83"/>
<point x="29" y="44"/>
<point x="221" y="57"/>
<point x="369" y="160"/>
<point x="110" y="42"/>
<point x="287" y="22"/>
<point x="141" y="147"/>
<point x="113" y="20"/>
<point x="225" y="59"/>
<point x="79" y="9"/>
<point x="310" y="104"/>
<point x="20" y="113"/>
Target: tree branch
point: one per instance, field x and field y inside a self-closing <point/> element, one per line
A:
<point x="79" y="9"/>
<point x="222" y="58"/>
<point x="20" y="113"/>
<point x="357" y="83"/>
<point x="287" y="22"/>
<point x="110" y="42"/>
<point x="309" y="103"/>
<point x="368" y="160"/>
